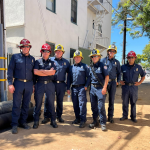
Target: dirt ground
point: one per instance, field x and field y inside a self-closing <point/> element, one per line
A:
<point x="122" y="135"/>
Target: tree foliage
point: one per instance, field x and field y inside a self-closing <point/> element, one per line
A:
<point x="139" y="12"/>
<point x="144" y="59"/>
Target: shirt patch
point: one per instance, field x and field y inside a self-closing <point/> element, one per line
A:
<point x="64" y="63"/>
<point x="136" y="69"/>
<point x="115" y="63"/>
<point x="82" y="67"/>
<point x="32" y="60"/>
<point x="49" y="64"/>
<point x="19" y="60"/>
<point x="105" y="67"/>
<point x="124" y="71"/>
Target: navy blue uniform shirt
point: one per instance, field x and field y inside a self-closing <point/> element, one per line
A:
<point x="78" y="74"/>
<point x="114" y="68"/>
<point x="62" y="67"/>
<point x="46" y="65"/>
<point x="101" y="72"/>
<point x="131" y="73"/>
<point x="20" y="67"/>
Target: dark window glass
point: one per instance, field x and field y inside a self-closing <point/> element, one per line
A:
<point x="72" y="52"/>
<point x="74" y="11"/>
<point x="52" y="45"/>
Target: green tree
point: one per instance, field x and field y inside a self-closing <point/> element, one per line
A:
<point x="139" y="11"/>
<point x="144" y="59"/>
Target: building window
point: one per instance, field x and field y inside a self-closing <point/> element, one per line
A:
<point x="100" y="29"/>
<point x="74" y="11"/>
<point x="52" y="45"/>
<point x="50" y="5"/>
<point x="72" y="52"/>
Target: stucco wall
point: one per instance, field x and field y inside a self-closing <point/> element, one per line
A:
<point x="44" y="25"/>
<point x="14" y="10"/>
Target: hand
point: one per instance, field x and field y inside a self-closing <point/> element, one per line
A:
<point x="11" y="89"/>
<point x="52" y="68"/>
<point x="33" y="89"/>
<point x="104" y="91"/>
<point x="53" y="72"/>
<point x="117" y="83"/>
<point x="68" y="92"/>
<point x="85" y="88"/>
<point x="122" y="82"/>
<point x="137" y="83"/>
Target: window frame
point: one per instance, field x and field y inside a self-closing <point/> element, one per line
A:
<point x="76" y="12"/>
<point x="54" y="7"/>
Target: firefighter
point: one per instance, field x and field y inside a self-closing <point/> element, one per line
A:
<point x="130" y="83"/>
<point x="21" y="69"/>
<point x="114" y="71"/>
<point x="79" y="78"/>
<point x="62" y="68"/>
<point x="99" y="80"/>
<point x="44" y="69"/>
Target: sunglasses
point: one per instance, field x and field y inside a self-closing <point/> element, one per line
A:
<point x="45" y="51"/>
<point x="112" y="51"/>
<point x="25" y="46"/>
<point x="130" y="57"/>
<point x="94" y="56"/>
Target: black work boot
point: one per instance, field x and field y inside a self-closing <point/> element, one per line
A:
<point x="123" y="118"/>
<point x="14" y="130"/>
<point x="60" y="120"/>
<point x="25" y="126"/>
<point x="46" y="120"/>
<point x="36" y="124"/>
<point x="134" y="120"/>
<point x="95" y="123"/>
<point x="54" y="124"/>
<point x="76" y="121"/>
<point x="82" y="124"/>
<point x="110" y="119"/>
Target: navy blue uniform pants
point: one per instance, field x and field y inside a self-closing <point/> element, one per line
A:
<point x="60" y="89"/>
<point x="40" y="89"/>
<point x="98" y="104"/>
<point x="129" y="93"/>
<point x="111" y="91"/>
<point x="79" y="103"/>
<point x="21" y="99"/>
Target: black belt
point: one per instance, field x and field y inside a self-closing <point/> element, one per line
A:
<point x="129" y="84"/>
<point x="59" y="81"/>
<point x="111" y="80"/>
<point x="45" y="82"/>
<point x="23" y="80"/>
<point x="96" y="85"/>
<point x="74" y="86"/>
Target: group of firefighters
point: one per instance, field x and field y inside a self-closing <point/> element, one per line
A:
<point x="48" y="76"/>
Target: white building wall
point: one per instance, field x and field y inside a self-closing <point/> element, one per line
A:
<point x="14" y="10"/>
<point x="14" y="21"/>
<point x="44" y="25"/>
<point x="30" y="19"/>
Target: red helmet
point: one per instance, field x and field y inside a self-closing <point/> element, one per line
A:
<point x="131" y="54"/>
<point x="46" y="47"/>
<point x="24" y="42"/>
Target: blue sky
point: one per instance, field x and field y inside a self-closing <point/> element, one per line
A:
<point x="136" y="45"/>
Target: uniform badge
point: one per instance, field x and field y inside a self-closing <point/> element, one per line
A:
<point x="64" y="63"/>
<point x="82" y="67"/>
<point x="49" y="64"/>
<point x="32" y="60"/>
<point x="136" y="69"/>
<point x="105" y="67"/>
<point x="115" y="63"/>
